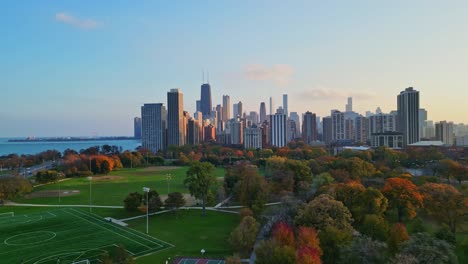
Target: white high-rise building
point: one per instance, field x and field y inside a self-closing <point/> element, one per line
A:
<point x="278" y="132"/>
<point x="253" y="137"/>
<point x="338" y="125"/>
<point x="349" y="105"/>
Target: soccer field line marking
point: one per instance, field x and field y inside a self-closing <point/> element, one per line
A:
<point x="107" y="229"/>
<point x="33" y="243"/>
<point x="51" y="214"/>
<point x="133" y="231"/>
<point x="12" y="214"/>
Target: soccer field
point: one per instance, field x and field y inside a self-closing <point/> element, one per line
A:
<point x="66" y="236"/>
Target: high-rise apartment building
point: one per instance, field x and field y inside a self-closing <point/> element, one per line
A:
<point x="175" y="118"/>
<point x="422" y="122"/>
<point x="381" y="123"/>
<point x="153" y="124"/>
<point x="237" y="131"/>
<point x="338" y="125"/>
<point x="295" y="117"/>
<point x="193" y="132"/>
<point x="137" y="128"/>
<point x="408" y="115"/>
<point x="309" y="128"/>
<point x="271" y="105"/>
<point x="226" y="107"/>
<point x="349" y="105"/>
<point x="210" y="133"/>
<point x="240" y="110"/>
<point x="327" y="134"/>
<point x="444" y="132"/>
<point x="205" y="100"/>
<point x="361" y="134"/>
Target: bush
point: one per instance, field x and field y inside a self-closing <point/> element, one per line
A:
<point x="133" y="201"/>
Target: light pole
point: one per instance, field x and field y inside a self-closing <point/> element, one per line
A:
<point x="90" y="180"/>
<point x="146" y="190"/>
<point x="168" y="178"/>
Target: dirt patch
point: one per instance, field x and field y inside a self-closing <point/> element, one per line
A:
<point x="161" y="168"/>
<point x="52" y="193"/>
<point x="107" y="178"/>
<point x="189" y="200"/>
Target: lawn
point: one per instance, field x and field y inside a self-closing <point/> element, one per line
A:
<point x="113" y="188"/>
<point x="66" y="235"/>
<point x="187" y="230"/>
<point x="190" y="232"/>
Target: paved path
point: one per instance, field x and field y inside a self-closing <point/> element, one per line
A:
<point x="8" y="203"/>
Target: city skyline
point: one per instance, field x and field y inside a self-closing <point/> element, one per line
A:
<point x="81" y="70"/>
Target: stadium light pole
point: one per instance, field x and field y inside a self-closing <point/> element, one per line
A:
<point x="146" y="190"/>
<point x="90" y="180"/>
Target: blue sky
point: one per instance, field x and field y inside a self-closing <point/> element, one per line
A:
<point x="86" y="67"/>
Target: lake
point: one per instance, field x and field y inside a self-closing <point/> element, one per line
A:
<point x="39" y="146"/>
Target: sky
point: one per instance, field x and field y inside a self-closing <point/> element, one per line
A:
<point x="84" y="68"/>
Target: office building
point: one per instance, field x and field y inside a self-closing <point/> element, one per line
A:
<point x="237" y="131"/>
<point x="285" y="105"/>
<point x="153" y="124"/>
<point x="205" y="100"/>
<point x="381" y="123"/>
<point x="309" y="128"/>
<point x="193" y="132"/>
<point x="137" y="128"/>
<point x="422" y="122"/>
<point x="408" y="115"/>
<point x="327" y="127"/>
<point x="263" y="115"/>
<point x="295" y="117"/>
<point x="393" y="140"/>
<point x="349" y="105"/>
<point x="271" y="105"/>
<point x="175" y="118"/>
<point x="226" y="107"/>
<point x="209" y="133"/>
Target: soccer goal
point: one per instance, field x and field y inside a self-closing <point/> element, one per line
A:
<point x="7" y="214"/>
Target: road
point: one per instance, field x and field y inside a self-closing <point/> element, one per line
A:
<point x="26" y="172"/>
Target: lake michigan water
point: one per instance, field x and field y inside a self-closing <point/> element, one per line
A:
<point x="36" y="147"/>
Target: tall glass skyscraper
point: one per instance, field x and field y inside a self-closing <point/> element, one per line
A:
<point x="408" y="115"/>
<point x="205" y="100"/>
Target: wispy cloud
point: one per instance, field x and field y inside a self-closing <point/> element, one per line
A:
<point x="323" y="93"/>
<point x="279" y="73"/>
<point x="82" y="23"/>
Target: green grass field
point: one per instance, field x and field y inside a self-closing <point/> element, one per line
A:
<point x="190" y="232"/>
<point x="113" y="188"/>
<point x="66" y="236"/>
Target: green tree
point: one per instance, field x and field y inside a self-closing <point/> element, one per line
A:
<point x="154" y="201"/>
<point x="427" y="249"/>
<point x="363" y="250"/>
<point x="271" y="252"/>
<point x="243" y="236"/>
<point x="132" y="201"/>
<point x="252" y="191"/>
<point x="375" y="227"/>
<point x="331" y="239"/>
<point x="324" y="211"/>
<point x="105" y="167"/>
<point x="122" y="256"/>
<point x="200" y="177"/>
<point x="174" y="200"/>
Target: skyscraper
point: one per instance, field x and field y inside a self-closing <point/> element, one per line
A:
<point x="295" y="117"/>
<point x="408" y="115"/>
<point x="137" y="128"/>
<point x="327" y="134"/>
<point x="285" y="105"/>
<point x="253" y="137"/>
<point x="226" y="107"/>
<point x="349" y="105"/>
<point x="219" y="113"/>
<point x="338" y="125"/>
<point x="235" y="111"/>
<point x="361" y="134"/>
<point x="205" y="99"/>
<point x="278" y="132"/>
<point x="309" y="128"/>
<point x="271" y="105"/>
<point x="153" y="121"/>
<point x="240" y="111"/>
<point x="175" y="118"/>
<point x="263" y="116"/>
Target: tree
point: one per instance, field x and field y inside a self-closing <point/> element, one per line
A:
<point x="308" y="246"/>
<point x="445" y="203"/>
<point x="375" y="227"/>
<point x="403" y="196"/>
<point x="270" y="252"/>
<point x="233" y="260"/>
<point x="105" y="167"/>
<point x="12" y="187"/>
<point x="252" y="191"/>
<point x="154" y="201"/>
<point x="397" y="236"/>
<point x="444" y="233"/>
<point x="132" y="201"/>
<point x="363" y="250"/>
<point x="321" y="180"/>
<point x="283" y="234"/>
<point x="48" y="176"/>
<point x="324" y="211"/>
<point x="331" y="239"/>
<point x="200" y="177"/>
<point x="175" y="200"/>
<point x="243" y="236"/>
<point x="427" y="249"/>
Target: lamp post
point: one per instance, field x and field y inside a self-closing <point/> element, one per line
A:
<point x="168" y="178"/>
<point x="90" y="190"/>
<point x="146" y="190"/>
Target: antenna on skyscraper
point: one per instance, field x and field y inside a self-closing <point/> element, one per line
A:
<point x="208" y="77"/>
<point x="203" y="76"/>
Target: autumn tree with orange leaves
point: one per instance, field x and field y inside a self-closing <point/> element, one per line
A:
<point x="308" y="246"/>
<point x="403" y="196"/>
<point x="284" y="234"/>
